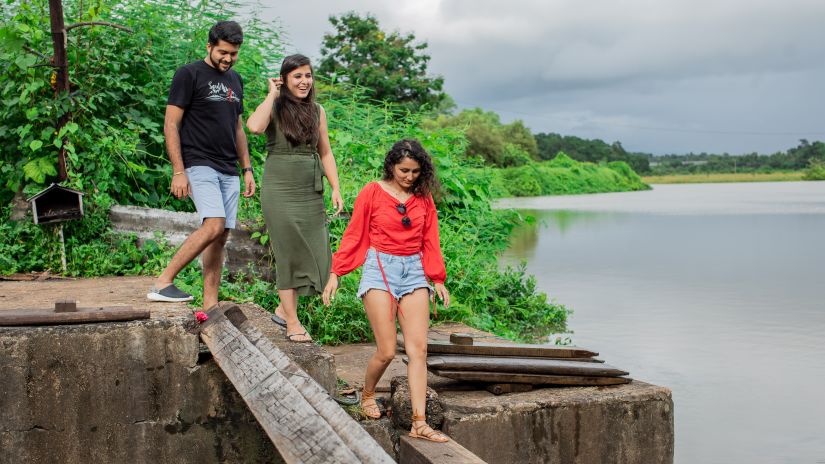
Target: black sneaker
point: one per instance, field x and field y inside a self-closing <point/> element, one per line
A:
<point x="169" y="293"/>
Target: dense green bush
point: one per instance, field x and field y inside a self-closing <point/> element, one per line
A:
<point x="497" y="144"/>
<point x="564" y="176"/>
<point x="815" y="170"/>
<point x="594" y="151"/>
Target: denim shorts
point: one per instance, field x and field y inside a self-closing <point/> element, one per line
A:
<point x="215" y="194"/>
<point x="405" y="274"/>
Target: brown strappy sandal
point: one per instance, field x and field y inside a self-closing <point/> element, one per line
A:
<point x="426" y="432"/>
<point x="370" y="410"/>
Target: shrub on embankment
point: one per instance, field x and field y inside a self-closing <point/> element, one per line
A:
<point x="563" y="176"/>
<point x="815" y="170"/>
<point x="116" y="155"/>
<point x="472" y="234"/>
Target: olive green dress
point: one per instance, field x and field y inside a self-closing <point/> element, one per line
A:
<point x="292" y="201"/>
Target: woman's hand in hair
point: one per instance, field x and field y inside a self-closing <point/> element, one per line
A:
<point x="337" y="202"/>
<point x="330" y="289"/>
<point x="259" y="119"/>
<point x="275" y="86"/>
<point x="442" y="293"/>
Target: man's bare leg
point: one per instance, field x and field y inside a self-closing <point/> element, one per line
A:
<point x="209" y="231"/>
<point x="212" y="268"/>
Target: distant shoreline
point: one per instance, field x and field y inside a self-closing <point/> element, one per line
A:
<point x="717" y="177"/>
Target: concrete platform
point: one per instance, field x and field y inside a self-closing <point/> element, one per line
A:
<point x="138" y="391"/>
<point x="144" y="391"/>
<point x="131" y="291"/>
<point x="630" y="423"/>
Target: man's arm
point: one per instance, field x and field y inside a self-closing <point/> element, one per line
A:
<point x="243" y="158"/>
<point x="171" y="131"/>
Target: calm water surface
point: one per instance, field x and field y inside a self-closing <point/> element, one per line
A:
<point x="714" y="290"/>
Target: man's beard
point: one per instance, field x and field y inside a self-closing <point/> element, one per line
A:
<point x="217" y="64"/>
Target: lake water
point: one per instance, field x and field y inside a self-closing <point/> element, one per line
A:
<point x="716" y="291"/>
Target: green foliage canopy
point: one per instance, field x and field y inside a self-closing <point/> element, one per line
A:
<point x="593" y="151"/>
<point x="391" y="66"/>
<point x="564" y="176"/>
<point x="497" y="144"/>
<point x="119" y="84"/>
<point x="794" y="159"/>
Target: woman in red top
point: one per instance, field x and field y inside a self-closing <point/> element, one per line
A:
<point x="394" y="234"/>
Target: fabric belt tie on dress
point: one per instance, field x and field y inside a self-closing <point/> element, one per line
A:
<point x="318" y="173"/>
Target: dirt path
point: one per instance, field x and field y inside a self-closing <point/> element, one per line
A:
<point x="104" y="291"/>
<point x="350" y="360"/>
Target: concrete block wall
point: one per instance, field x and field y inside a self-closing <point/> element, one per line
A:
<point x="130" y="392"/>
<point x="623" y="424"/>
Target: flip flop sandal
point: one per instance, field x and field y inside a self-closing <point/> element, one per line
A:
<point x="304" y="333"/>
<point x="279" y="320"/>
<point x="348" y="399"/>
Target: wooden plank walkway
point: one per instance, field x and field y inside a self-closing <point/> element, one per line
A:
<point x="303" y="422"/>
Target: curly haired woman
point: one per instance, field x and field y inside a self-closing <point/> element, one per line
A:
<point x="394" y="234"/>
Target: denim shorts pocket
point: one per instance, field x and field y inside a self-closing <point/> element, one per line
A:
<point x="370" y="263"/>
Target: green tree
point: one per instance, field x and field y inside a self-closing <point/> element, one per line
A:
<point x="593" y="151"/>
<point x="498" y="144"/>
<point x="392" y="67"/>
<point x="120" y="82"/>
<point x="518" y="134"/>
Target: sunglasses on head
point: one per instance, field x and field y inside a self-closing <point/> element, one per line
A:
<point x="405" y="220"/>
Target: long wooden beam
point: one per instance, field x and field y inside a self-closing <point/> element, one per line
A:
<point x="521" y="365"/>
<point x="515" y="349"/>
<point x="293" y="425"/>
<point x="355" y="437"/>
<point x="533" y="379"/>
<point x="78" y="316"/>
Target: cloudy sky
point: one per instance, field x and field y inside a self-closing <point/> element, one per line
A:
<point x="660" y="76"/>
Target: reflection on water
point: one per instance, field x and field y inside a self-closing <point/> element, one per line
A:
<point x="725" y="309"/>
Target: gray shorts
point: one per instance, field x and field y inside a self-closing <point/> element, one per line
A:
<point x="215" y="194"/>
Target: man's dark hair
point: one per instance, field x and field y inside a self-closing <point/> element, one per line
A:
<point x="228" y="31"/>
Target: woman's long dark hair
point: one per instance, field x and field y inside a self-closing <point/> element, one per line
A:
<point x="297" y="118"/>
<point x="412" y="149"/>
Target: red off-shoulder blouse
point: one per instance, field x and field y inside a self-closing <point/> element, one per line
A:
<point x="377" y="223"/>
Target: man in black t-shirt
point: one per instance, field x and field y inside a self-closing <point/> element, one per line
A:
<point x="206" y="143"/>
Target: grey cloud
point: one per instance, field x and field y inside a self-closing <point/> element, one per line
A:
<point x="636" y="71"/>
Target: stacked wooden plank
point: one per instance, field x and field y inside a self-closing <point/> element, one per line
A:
<point x="505" y="368"/>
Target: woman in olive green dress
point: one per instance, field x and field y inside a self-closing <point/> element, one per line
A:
<point x="292" y="200"/>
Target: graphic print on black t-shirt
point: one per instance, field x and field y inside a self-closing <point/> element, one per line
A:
<point x="212" y="102"/>
<point x="220" y="92"/>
